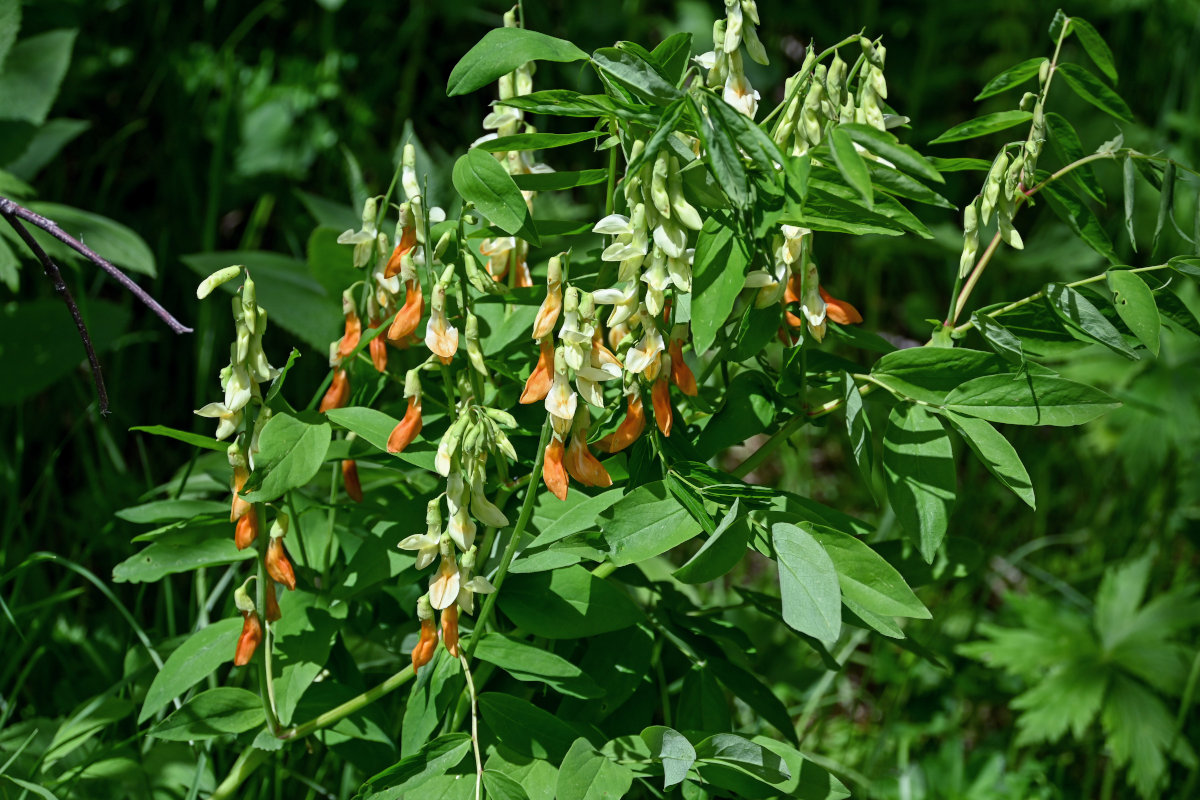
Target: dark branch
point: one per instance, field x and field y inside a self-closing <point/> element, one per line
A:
<point x="55" y="277"/>
<point x="11" y="211"/>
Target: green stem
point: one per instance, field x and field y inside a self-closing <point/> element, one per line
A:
<point x="242" y="769"/>
<point x="514" y="542"/>
<point x="609" y="201"/>
<point x="264" y="666"/>
<point x="796" y="90"/>
<point x="763" y="453"/>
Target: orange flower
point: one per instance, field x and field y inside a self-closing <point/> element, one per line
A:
<point x="409" y="315"/>
<point x="553" y="472"/>
<point x="422" y="654"/>
<point x="840" y="311"/>
<point x="547" y="315"/>
<point x="353" y="329"/>
<point x="273" y="613"/>
<point x="350" y="479"/>
<point x="450" y="629"/>
<point x="523" y="280"/>
<point x="537" y="386"/>
<point x="407" y="429"/>
<point x="248" y="642"/>
<point x="792" y="295"/>
<point x="279" y="567"/>
<point x="378" y="348"/>
<point x="661" y="395"/>
<point x="408" y="240"/>
<point x="239" y="507"/>
<point x="246" y="531"/>
<point x="338" y="394"/>
<point x="681" y="373"/>
<point x="584" y="467"/>
<point x="630" y="428"/>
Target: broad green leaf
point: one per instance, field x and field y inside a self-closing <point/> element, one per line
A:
<point x="1097" y="49"/>
<point x="587" y="775"/>
<point x="858" y="428"/>
<point x="167" y="510"/>
<point x="502" y="50"/>
<point x="374" y="427"/>
<point x="997" y="454"/>
<point x="928" y="374"/>
<point x="620" y="662"/>
<point x="1080" y="219"/>
<point x="1083" y="318"/>
<point x="753" y="692"/>
<point x="1174" y="311"/>
<point x="577" y="513"/>
<point x="982" y="126"/>
<point x="1066" y="143"/>
<point x="553" y="181"/>
<point x="180" y="552"/>
<point x="29" y="786"/>
<point x="745" y="755"/>
<point x="481" y="180"/>
<point x="669" y="122"/>
<point x="999" y="338"/>
<point x="437" y="687"/>
<point x="635" y="74"/>
<point x="866" y="578"/>
<point x="525" y="662"/>
<point x="501" y="787"/>
<point x="960" y="164"/>
<point x="436" y="758"/>
<point x="81" y="727"/>
<point x="45" y="146"/>
<point x="290" y="453"/>
<point x="1092" y="89"/>
<point x="918" y="463"/>
<point x="721" y="154"/>
<point x="108" y="239"/>
<point x="1012" y="77"/>
<point x="702" y="703"/>
<point x="1030" y="400"/>
<point x="1068" y="698"/>
<point x="673" y="54"/>
<point x="192" y="662"/>
<point x="749" y="409"/>
<point x="721" y="552"/>
<point x="885" y="145"/>
<point x="10" y="23"/>
<point x="536" y="776"/>
<point x="673" y="750"/>
<point x="644" y="523"/>
<point x="900" y="185"/>
<point x="32" y="75"/>
<point x="1135" y="305"/>
<point x="212" y="713"/>
<point x="850" y="164"/>
<point x="196" y="439"/>
<point x="808" y="584"/>
<point x="563" y="103"/>
<point x="1058" y="26"/>
<point x="294" y="300"/>
<point x="747" y="136"/>
<point x="1139" y="730"/>
<point x="523" y="727"/>
<point x="568" y="603"/>
<point x="535" y="141"/>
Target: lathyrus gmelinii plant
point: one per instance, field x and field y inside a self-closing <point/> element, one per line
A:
<point x="517" y="470"/>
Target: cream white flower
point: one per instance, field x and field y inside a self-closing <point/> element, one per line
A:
<point x="229" y="419"/>
<point x="426" y="545"/>
<point x="644" y="355"/>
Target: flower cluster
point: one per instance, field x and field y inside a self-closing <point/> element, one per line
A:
<point x="724" y="61"/>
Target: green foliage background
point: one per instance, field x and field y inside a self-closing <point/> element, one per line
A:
<point x="211" y="127"/>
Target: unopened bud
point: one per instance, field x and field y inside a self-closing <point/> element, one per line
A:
<point x="241" y="597"/>
<point x="279" y="527"/>
<point x="216" y="279"/>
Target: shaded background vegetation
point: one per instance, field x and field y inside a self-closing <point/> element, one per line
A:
<point x="207" y="122"/>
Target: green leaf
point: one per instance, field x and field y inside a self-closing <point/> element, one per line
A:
<point x="502" y="50"/>
<point x="808" y="584"/>
<point x="1139" y="731"/>
<point x="1030" y="400"/>
<point x="110" y="240"/>
<point x="737" y="751"/>
<point x="673" y="750"/>
<point x="1084" y="319"/>
<point x="210" y="714"/>
<point x="1006" y="344"/>
<point x="753" y="692"/>
<point x="1095" y="46"/>
<point x="858" y="428"/>
<point x="1092" y="90"/>
<point x="501" y="787"/>
<point x="960" y="164"/>
<point x="330" y="263"/>
<point x="167" y="510"/>
<point x="747" y="136"/>
<point x="1012" y="77"/>
<point x="982" y="126"/>
<point x="535" y="141"/>
<point x="180" y="552"/>
<point x="28" y="786"/>
<point x="434" y="691"/>
<point x="749" y="409"/>
<point x="558" y="519"/>
<point x="290" y="453"/>
<point x="553" y="181"/>
<point x="928" y="374"/>
<point x="672" y="55"/>
<point x="481" y="180"/>
<point x="192" y="662"/>
<point x="866" y="578"/>
<point x="195" y="439"/>
<point x="718" y="272"/>
<point x="523" y="727"/>
<point x="374" y="427"/>
<point x="10" y="24"/>
<point x="563" y="103"/>
<point x="900" y="185"/>
<point x="47" y="142"/>
<point x="1066" y="143"/>
<point x="1128" y="171"/>
<point x="720" y="152"/>
<point x="78" y="730"/>
<point x="587" y="775"/>
<point x="1135" y="305"/>
<point x="635" y="74"/>
<point x="1166" y="204"/>
<point x="721" y="552"/>
<point x="32" y="75"/>
<point x="566" y="603"/>
<point x="646" y="522"/>
<point x="1080" y="219"/>
<point x="528" y="663"/>
<point x="850" y="164"/>
<point x="885" y="145"/>
<point x="9" y="266"/>
<point x="996" y="453"/>
<point x="436" y="758"/>
<point x="918" y="463"/>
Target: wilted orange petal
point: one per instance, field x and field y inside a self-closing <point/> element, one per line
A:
<point x="407" y="429"/>
<point x="584" y="467"/>
<point x="273" y="612"/>
<point x="338" y="393"/>
<point x="524" y="278"/>
<point x="350" y="479"/>
<point x="422" y="654"/>
<point x="248" y="641"/>
<point x="378" y="348"/>
<point x="547" y="315"/>
<point x="409" y="315"/>
<point x="553" y="472"/>
<point x="246" y="531"/>
<point x="537" y="386"/>
<point x="352" y="335"/>
<point x="681" y="373"/>
<point x="839" y="311"/>
<point x="278" y="565"/>
<point x="408" y="240"/>
<point x="239" y="508"/>
<point x="450" y="629"/>
<point x="630" y="428"/>
<point x="661" y="395"/>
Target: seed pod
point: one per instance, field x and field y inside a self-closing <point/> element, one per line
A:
<point x="1012" y="177"/>
<point x="1043" y="72"/>
<point x="970" y="239"/>
<point x="502" y="418"/>
<point x="754" y="46"/>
